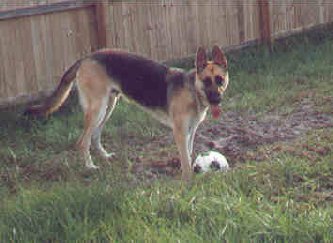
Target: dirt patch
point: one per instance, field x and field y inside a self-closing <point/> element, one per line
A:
<point x="238" y="135"/>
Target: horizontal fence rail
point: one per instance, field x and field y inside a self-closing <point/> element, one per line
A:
<point x="43" y="9"/>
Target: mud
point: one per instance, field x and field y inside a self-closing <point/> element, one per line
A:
<point x="239" y="135"/>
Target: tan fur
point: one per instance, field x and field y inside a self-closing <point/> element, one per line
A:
<point x="183" y="111"/>
<point x="94" y="88"/>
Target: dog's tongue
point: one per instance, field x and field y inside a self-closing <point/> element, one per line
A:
<point x="216" y="111"/>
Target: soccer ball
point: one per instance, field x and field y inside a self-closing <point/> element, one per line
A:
<point x="210" y="161"/>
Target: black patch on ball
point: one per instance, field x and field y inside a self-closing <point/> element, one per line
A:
<point x="197" y="169"/>
<point x="215" y="165"/>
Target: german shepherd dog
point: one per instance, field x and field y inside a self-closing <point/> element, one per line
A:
<point x="177" y="98"/>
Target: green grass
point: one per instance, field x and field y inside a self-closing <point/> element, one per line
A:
<point x="47" y="195"/>
<point x="264" y="82"/>
<point x="259" y="202"/>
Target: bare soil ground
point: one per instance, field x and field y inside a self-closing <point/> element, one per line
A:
<point x="240" y="136"/>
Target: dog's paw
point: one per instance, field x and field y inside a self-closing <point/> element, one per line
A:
<point x="107" y="155"/>
<point x="92" y="166"/>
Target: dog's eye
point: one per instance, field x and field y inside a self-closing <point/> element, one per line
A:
<point x="207" y="81"/>
<point x="219" y="80"/>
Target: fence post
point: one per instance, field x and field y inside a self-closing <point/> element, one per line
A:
<point x="265" y="23"/>
<point x="101" y="12"/>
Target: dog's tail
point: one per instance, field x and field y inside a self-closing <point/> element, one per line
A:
<point x="59" y="95"/>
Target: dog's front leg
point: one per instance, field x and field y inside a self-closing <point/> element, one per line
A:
<point x="191" y="134"/>
<point x="180" y="133"/>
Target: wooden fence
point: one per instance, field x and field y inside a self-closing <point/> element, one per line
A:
<point x="38" y="42"/>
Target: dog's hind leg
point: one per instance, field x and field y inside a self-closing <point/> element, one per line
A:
<point x="94" y="87"/>
<point x="96" y="136"/>
<point x="92" y="117"/>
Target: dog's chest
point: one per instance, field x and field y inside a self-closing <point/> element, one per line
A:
<point x="202" y="115"/>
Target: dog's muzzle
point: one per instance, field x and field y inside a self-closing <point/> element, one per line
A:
<point x="214" y="98"/>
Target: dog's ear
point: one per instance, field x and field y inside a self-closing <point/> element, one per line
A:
<point x="201" y="61"/>
<point x="219" y="57"/>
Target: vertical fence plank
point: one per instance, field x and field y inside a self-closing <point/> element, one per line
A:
<point x="101" y="16"/>
<point x="240" y="20"/>
<point x="20" y="57"/>
<point x="38" y="48"/>
<point x="2" y="69"/>
<point x="9" y="53"/>
<point x="166" y="9"/>
<point x="116" y="23"/>
<point x="264" y="23"/>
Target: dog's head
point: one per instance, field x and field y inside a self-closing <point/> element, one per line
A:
<point x="211" y="78"/>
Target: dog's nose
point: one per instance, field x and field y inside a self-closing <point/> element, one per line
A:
<point x="214" y="97"/>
